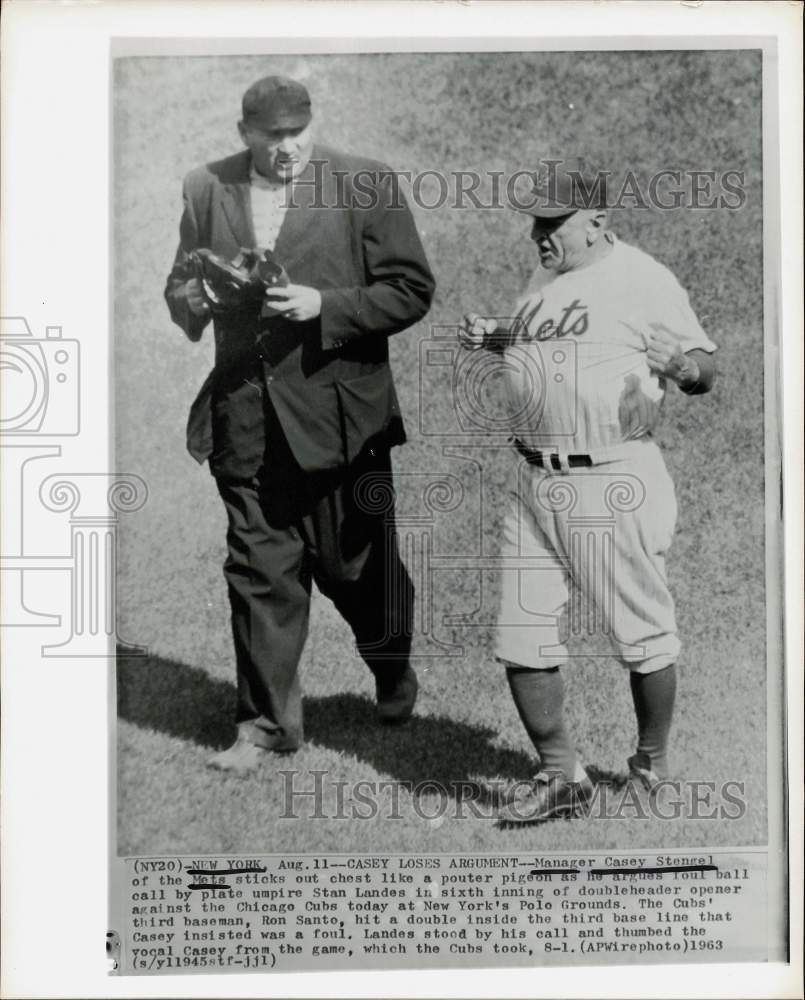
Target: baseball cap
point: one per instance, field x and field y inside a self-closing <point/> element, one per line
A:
<point x="562" y="187"/>
<point x="276" y="102"/>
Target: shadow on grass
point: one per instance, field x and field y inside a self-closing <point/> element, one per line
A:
<point x="426" y="749"/>
<point x="185" y="702"/>
<point x="173" y="698"/>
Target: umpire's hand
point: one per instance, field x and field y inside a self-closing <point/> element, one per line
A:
<point x="295" y="302"/>
<point x="474" y="331"/>
<point x="195" y="297"/>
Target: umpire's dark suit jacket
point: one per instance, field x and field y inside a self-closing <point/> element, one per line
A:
<point x="347" y="233"/>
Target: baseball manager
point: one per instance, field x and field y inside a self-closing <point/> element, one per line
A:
<point x="298" y="416"/>
<point x="597" y="335"/>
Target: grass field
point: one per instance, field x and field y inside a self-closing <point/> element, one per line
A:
<point x="631" y="110"/>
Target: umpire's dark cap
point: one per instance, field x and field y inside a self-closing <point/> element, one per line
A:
<point x="276" y="102"/>
<point x="562" y="187"/>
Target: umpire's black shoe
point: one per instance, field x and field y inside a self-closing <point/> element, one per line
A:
<point x="396" y="695"/>
<point x="548" y="796"/>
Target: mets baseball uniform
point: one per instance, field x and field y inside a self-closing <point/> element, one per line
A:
<point x="590" y="495"/>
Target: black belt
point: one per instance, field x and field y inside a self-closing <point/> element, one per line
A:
<point x="549" y="459"/>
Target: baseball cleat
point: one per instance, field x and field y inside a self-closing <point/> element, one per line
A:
<point x="547" y="796"/>
<point x="640" y="771"/>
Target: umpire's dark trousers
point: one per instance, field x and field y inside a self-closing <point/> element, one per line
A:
<point x="287" y="528"/>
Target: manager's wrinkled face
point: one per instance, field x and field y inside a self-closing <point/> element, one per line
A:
<point x="280" y="154"/>
<point x="568" y="242"/>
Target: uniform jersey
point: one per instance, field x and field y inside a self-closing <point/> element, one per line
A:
<point x="576" y="360"/>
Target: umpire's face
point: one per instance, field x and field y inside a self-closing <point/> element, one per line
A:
<point x="281" y="153"/>
<point x="568" y="242"/>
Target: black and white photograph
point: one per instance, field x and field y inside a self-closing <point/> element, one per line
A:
<point x="468" y="349"/>
<point x="451" y="416"/>
<point x="436" y="573"/>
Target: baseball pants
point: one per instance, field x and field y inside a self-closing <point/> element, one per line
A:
<point x="607" y="527"/>
<point x="286" y="529"/>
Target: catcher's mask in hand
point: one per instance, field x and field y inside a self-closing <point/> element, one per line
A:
<point x="240" y="283"/>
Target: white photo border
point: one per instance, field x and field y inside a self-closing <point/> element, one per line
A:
<point x="56" y="112"/>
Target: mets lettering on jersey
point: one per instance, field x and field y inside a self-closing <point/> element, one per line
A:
<point x="576" y="366"/>
<point x="598" y="333"/>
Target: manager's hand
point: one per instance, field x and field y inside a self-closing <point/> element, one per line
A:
<point x="637" y="412"/>
<point x="295" y="302"/>
<point x="196" y="300"/>
<point x="666" y="358"/>
<point x="474" y="330"/>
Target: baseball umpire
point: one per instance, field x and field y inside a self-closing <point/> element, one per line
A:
<point x="598" y="333"/>
<point x="298" y="416"/>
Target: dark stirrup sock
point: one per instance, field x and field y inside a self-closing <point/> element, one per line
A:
<point x="653" y="696"/>
<point x="539" y="697"/>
